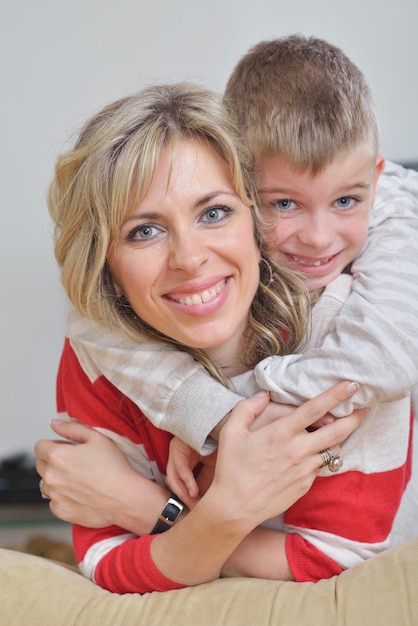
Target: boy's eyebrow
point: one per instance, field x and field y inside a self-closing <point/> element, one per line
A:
<point x="273" y="189"/>
<point x="352" y="187"/>
<point x="363" y="184"/>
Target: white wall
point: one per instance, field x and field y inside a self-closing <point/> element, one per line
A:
<point x="61" y="61"/>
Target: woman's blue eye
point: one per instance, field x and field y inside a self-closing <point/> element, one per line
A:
<point x="215" y="213"/>
<point x="345" y="202"/>
<point x="146" y="231"/>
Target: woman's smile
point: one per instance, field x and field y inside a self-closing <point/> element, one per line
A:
<point x="187" y="259"/>
<point x="191" y="298"/>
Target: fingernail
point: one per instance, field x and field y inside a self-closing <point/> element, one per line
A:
<point x="353" y="387"/>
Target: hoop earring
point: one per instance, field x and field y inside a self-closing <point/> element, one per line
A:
<point x="270" y="278"/>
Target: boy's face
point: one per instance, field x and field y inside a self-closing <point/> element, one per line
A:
<point x="320" y="221"/>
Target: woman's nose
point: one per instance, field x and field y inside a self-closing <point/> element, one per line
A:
<point x="187" y="253"/>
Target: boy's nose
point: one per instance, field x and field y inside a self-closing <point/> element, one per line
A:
<point x="317" y="233"/>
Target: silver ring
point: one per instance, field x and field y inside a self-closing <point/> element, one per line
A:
<point x="41" y="489"/>
<point x="326" y="456"/>
<point x="335" y="464"/>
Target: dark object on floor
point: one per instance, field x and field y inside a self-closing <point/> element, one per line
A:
<point x="19" y="480"/>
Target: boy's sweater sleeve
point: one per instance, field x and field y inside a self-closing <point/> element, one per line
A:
<point x="175" y="392"/>
<point x="374" y="339"/>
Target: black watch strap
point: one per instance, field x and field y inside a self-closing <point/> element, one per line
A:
<point x="168" y="516"/>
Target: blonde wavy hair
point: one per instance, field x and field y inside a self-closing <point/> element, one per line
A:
<point x="106" y="174"/>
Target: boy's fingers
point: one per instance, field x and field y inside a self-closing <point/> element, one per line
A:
<point x="192" y="488"/>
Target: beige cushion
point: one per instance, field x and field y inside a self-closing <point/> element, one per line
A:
<point x="382" y="591"/>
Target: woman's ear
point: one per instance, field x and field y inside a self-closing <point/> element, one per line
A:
<point x="111" y="277"/>
<point x="118" y="289"/>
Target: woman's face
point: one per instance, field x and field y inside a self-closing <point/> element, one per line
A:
<point x="186" y="258"/>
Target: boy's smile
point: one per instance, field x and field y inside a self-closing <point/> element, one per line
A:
<point x="319" y="222"/>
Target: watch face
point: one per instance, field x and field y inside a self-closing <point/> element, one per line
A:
<point x="171" y="511"/>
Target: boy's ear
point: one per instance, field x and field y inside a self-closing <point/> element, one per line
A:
<point x="378" y="169"/>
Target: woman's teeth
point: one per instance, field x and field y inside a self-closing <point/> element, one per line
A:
<point x="205" y="296"/>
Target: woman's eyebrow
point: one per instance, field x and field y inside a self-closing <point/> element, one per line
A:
<point x="147" y="215"/>
<point x="154" y="215"/>
<point x="214" y="194"/>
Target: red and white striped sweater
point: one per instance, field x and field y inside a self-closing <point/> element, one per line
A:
<point x="114" y="558"/>
<point x="354" y="508"/>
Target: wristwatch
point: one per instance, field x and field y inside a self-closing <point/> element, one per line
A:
<point x="168" y="515"/>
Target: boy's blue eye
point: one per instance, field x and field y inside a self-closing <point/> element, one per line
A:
<point x="284" y="205"/>
<point x="345" y="202"/>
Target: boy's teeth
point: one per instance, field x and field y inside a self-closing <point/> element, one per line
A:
<point x="306" y="262"/>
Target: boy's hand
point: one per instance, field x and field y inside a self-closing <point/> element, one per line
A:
<point x="206" y="472"/>
<point x="182" y="460"/>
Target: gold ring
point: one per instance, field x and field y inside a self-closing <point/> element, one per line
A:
<point x="41" y="489"/>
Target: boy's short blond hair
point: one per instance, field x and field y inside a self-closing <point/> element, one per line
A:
<point x="303" y="98"/>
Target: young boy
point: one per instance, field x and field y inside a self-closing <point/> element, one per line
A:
<point x="317" y="168"/>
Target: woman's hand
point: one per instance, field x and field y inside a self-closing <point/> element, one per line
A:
<point x="269" y="469"/>
<point x="274" y="411"/>
<point x="258" y="475"/>
<point x="90" y="482"/>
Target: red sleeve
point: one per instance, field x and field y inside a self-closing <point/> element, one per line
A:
<point x="307" y="562"/>
<point x="119" y="563"/>
<point x="116" y="559"/>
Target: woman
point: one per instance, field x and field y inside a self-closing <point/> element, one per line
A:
<point x="158" y="236"/>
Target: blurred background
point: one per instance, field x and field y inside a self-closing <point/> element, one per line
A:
<point x="61" y="61"/>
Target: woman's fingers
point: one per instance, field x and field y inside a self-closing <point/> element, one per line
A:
<point x="337" y="432"/>
<point x="72" y="430"/>
<point x="246" y="411"/>
<point x="310" y="412"/>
